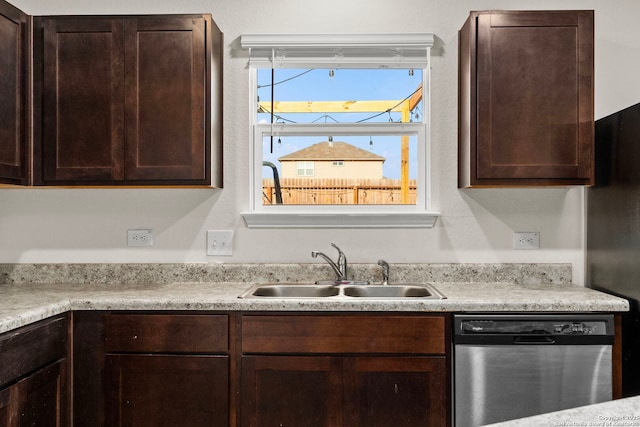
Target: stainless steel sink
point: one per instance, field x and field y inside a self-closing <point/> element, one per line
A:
<point x="292" y="291"/>
<point x="389" y="291"/>
<point x="343" y="291"/>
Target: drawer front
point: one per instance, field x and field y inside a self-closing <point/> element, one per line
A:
<point x="160" y="333"/>
<point x="343" y="334"/>
<point x="32" y="347"/>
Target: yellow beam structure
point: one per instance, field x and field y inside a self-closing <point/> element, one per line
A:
<point x="343" y="106"/>
<point x="404" y="162"/>
<point x="331" y="106"/>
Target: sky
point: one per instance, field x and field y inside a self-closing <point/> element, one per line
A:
<point x="341" y="85"/>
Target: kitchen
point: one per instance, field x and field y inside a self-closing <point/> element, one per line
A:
<point x="60" y="226"/>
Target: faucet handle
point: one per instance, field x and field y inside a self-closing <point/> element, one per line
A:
<point x="385" y="271"/>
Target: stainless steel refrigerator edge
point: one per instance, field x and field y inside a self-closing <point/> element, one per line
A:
<point x="613" y="227"/>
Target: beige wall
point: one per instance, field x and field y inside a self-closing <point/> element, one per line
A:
<point x="324" y="169"/>
<point x="60" y="225"/>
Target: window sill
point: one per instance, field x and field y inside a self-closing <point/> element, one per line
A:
<point x="340" y="220"/>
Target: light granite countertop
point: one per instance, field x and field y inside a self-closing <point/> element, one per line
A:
<point x="24" y="303"/>
<point x="615" y="413"/>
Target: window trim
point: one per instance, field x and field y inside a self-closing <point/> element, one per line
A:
<point x="397" y="50"/>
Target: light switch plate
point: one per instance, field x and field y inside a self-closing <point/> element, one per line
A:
<point x="220" y="242"/>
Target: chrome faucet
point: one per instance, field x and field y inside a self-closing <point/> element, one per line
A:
<point x="385" y="271"/>
<point x="340" y="268"/>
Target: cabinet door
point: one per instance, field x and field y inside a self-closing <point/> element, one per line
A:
<point x="167" y="390"/>
<point x="4" y="407"/>
<point x="83" y="113"/>
<point x="526" y="112"/>
<point x="291" y="391"/>
<point x="396" y="391"/>
<point x="40" y="399"/>
<point x="167" y="86"/>
<point x="13" y="73"/>
<point x="535" y="95"/>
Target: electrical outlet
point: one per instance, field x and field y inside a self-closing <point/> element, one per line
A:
<point x="220" y="242"/>
<point x="526" y="240"/>
<point x="140" y="237"/>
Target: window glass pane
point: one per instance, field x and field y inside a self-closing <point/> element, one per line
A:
<point x="340" y="95"/>
<point x="340" y="169"/>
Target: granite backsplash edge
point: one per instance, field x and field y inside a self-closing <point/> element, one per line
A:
<point x="519" y="273"/>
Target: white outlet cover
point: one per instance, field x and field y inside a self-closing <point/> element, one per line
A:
<point x="220" y="242"/>
<point x="526" y="240"/>
<point x="140" y="237"/>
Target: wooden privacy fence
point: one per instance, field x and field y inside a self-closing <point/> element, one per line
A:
<point x="337" y="191"/>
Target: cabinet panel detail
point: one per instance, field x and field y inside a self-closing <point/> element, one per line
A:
<point x="291" y="391"/>
<point x="343" y="334"/>
<point x="167" y="390"/>
<point x="398" y="391"/>
<point x="4" y="408"/>
<point x="167" y="333"/>
<point x="165" y="103"/>
<point x="13" y="95"/>
<point x="83" y="123"/>
<point x="31" y="347"/>
<point x="344" y="391"/>
<point x="40" y="399"/>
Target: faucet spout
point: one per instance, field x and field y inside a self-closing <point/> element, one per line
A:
<point x="340" y="268"/>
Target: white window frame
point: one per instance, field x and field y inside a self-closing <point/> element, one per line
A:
<point x="330" y="51"/>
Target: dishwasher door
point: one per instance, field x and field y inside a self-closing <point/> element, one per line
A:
<point x="558" y="364"/>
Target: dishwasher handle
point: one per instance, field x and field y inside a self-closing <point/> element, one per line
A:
<point x="534" y="339"/>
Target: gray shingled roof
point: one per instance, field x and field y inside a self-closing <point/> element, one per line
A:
<point x="332" y="151"/>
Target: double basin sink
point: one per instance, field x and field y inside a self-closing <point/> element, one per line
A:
<point x="339" y="289"/>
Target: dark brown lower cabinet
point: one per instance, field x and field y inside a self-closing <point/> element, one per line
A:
<point x="166" y="369"/>
<point x="167" y="390"/>
<point x="326" y="391"/>
<point x="4" y="408"/>
<point x="291" y="391"/>
<point x="352" y="370"/>
<point x="264" y="369"/>
<point x="33" y="374"/>
<point x="37" y="400"/>
<point x="395" y="391"/>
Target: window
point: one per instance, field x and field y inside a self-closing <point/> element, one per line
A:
<point x="340" y="130"/>
<point x="304" y="169"/>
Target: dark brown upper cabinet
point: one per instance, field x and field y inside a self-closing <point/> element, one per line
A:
<point x="127" y="100"/>
<point x="13" y="95"/>
<point x="525" y="114"/>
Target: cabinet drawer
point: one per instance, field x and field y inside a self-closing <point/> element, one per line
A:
<point x="343" y="334"/>
<point x="158" y="333"/>
<point x="32" y="347"/>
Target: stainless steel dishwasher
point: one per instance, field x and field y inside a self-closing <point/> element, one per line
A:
<point x="513" y="366"/>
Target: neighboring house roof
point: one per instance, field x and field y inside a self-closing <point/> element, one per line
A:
<point x="332" y="151"/>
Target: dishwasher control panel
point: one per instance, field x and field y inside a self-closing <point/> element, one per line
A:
<point x="534" y="327"/>
<point x="525" y="328"/>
